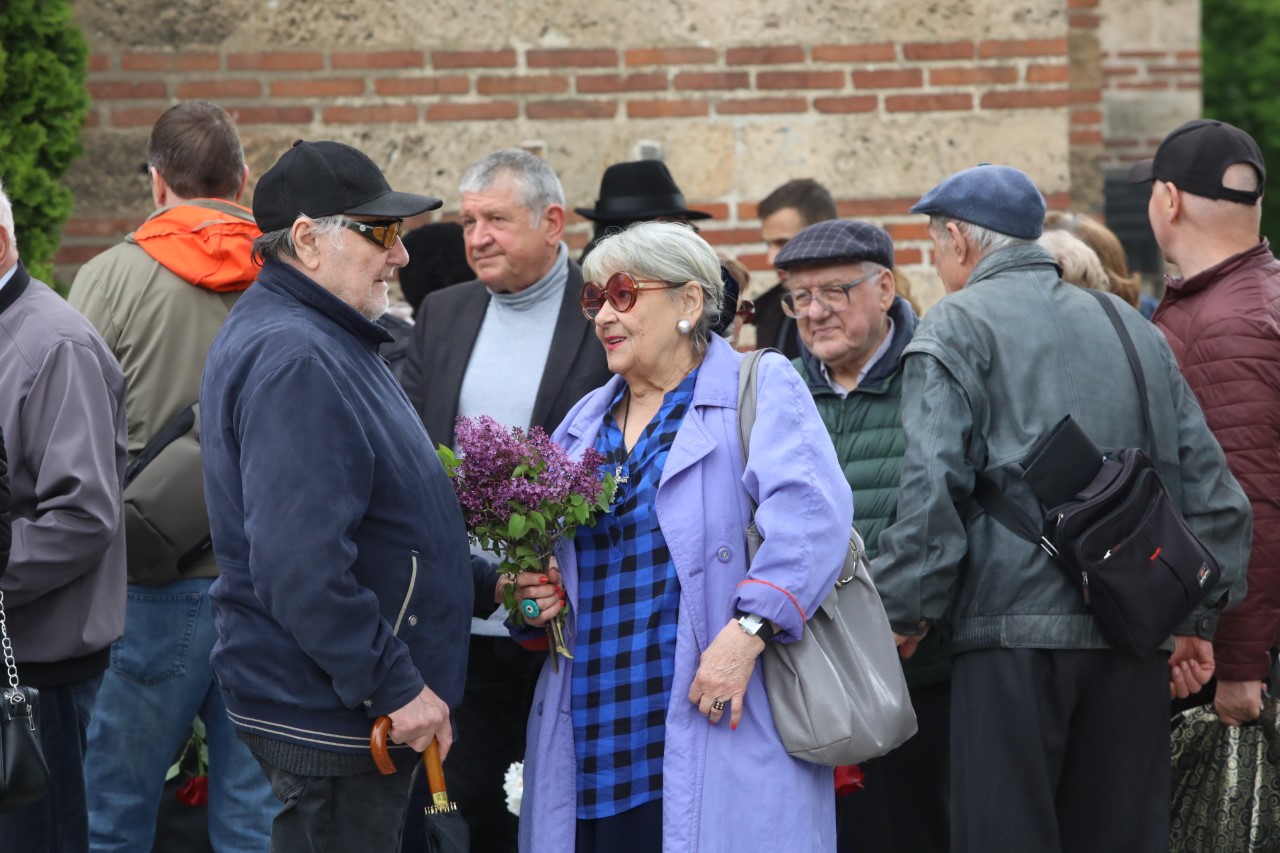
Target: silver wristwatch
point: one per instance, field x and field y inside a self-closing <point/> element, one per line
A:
<point x="756" y="626"/>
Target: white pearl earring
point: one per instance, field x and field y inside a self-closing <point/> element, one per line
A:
<point x="684" y="327"/>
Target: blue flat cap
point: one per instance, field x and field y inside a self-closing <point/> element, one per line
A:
<point x="1000" y="198"/>
<point x="837" y="241"/>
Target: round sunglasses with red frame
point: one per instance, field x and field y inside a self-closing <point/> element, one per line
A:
<point x="621" y="290"/>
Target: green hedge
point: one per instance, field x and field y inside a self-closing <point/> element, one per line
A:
<point x="43" y="103"/>
<point x="1241" y="60"/>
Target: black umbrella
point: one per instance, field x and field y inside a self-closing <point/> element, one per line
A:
<point x="443" y="829"/>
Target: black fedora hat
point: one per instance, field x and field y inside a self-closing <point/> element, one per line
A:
<point x="639" y="191"/>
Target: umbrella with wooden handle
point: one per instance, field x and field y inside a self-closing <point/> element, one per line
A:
<point x="443" y="829"/>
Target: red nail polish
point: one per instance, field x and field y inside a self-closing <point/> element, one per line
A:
<point x="543" y="580"/>
<point x="733" y="727"/>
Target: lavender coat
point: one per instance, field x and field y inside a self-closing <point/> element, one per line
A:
<point x="722" y="789"/>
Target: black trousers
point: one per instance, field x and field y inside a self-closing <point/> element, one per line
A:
<point x="491" y="722"/>
<point x="1059" y="751"/>
<point x="903" y="805"/>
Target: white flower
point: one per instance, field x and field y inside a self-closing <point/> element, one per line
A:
<point x="513" y="784"/>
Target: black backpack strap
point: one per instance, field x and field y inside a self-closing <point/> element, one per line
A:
<point x="172" y="431"/>
<point x="1135" y="364"/>
<point x="1013" y="517"/>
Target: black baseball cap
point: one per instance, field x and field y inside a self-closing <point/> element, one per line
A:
<point x="319" y="179"/>
<point x="1195" y="156"/>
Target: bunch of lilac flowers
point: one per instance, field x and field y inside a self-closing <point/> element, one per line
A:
<point x="521" y="494"/>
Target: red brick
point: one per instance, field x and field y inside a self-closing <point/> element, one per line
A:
<point x="848" y="104"/>
<point x="99" y="61"/>
<point x="925" y="50"/>
<point x="755" y="262"/>
<point x="571" y="109"/>
<point x="927" y="103"/>
<point x="472" y="112"/>
<point x="853" y="208"/>
<point x="215" y="89"/>
<point x="762" y="105"/>
<point x="908" y="231"/>
<point x="377" y="59"/>
<point x="594" y="83"/>
<point x="793" y="80"/>
<point x="730" y="236"/>
<point x="185" y="61"/>
<point x="85" y="227"/>
<point x="667" y="109"/>
<point x="135" y="116"/>
<point x="882" y="52"/>
<point x="276" y="61"/>
<point x="1084" y="96"/>
<point x="1024" y="100"/>
<point x="889" y="78"/>
<point x="1159" y="84"/>
<point x="1023" y="47"/>
<point x="693" y="80"/>
<point x="473" y="58"/>
<point x="331" y="88"/>
<point x="556" y="84"/>
<point x="1189" y="84"/>
<point x="972" y="76"/>
<point x="774" y="55"/>
<point x="670" y="56"/>
<point x="1119" y="70"/>
<point x="116" y="90"/>
<point x="381" y="113"/>
<point x="1058" y="201"/>
<point x="1047" y="74"/>
<point x="747" y="210"/>
<point x="561" y="58"/>
<point x="907" y="256"/>
<point x="1082" y="4"/>
<point x="1086" y="116"/>
<point x="1142" y="54"/>
<point x="271" y="115"/>
<point x="1079" y="21"/>
<point x="1173" y="69"/>
<point x="78" y="254"/>
<point x="718" y="209"/>
<point x="422" y="86"/>
<point x="1085" y="137"/>
<point x="1184" y="55"/>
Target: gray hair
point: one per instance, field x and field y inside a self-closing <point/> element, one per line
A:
<point x="536" y="183"/>
<point x="6" y="219"/>
<point x="1080" y="264"/>
<point x="983" y="240"/>
<point x="664" y="251"/>
<point x="278" y="245"/>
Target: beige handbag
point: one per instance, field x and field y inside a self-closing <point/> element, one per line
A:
<point x="838" y="695"/>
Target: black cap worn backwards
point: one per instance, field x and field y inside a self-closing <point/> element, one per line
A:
<point x="318" y="179"/>
<point x="1195" y="156"/>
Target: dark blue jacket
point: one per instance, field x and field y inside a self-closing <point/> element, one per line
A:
<point x="346" y="579"/>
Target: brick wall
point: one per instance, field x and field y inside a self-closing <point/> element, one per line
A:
<point x="1154" y="74"/>
<point x="608" y="98"/>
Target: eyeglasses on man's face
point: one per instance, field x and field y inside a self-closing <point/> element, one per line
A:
<point x="621" y="290"/>
<point x="832" y="297"/>
<point x="382" y="232"/>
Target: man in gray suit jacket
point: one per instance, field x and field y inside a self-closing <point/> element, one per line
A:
<point x="514" y="345"/>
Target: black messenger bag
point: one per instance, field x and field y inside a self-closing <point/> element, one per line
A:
<point x="1119" y="537"/>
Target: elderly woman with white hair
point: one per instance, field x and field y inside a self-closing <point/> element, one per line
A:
<point x="658" y="735"/>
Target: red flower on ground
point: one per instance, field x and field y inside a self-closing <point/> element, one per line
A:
<point x="195" y="791"/>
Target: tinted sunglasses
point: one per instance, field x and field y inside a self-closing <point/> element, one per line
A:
<point x="621" y="290"/>
<point x="384" y="232"/>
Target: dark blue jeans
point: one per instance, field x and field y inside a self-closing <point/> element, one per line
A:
<point x="58" y="821"/>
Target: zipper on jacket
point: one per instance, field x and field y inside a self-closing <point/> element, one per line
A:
<point x="1084" y="582"/>
<point x="413" y="579"/>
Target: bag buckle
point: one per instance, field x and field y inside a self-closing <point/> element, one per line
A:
<point x="1048" y="547"/>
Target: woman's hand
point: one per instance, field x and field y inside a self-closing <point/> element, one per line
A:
<point x="545" y="591"/>
<point x="723" y="674"/>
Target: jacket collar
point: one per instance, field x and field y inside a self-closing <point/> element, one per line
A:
<point x="904" y="326"/>
<point x="1259" y="254"/>
<point x="285" y="280"/>
<point x="17" y="285"/>
<point x="1019" y="256"/>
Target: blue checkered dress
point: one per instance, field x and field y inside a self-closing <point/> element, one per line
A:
<point x="628" y="600"/>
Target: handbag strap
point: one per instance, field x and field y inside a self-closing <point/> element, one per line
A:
<point x="1135" y="364"/>
<point x="747" y="370"/>
<point x="9" y="662"/>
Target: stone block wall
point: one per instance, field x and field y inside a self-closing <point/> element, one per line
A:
<point x="877" y="99"/>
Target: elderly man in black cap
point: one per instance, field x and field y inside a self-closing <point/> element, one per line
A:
<point x="1058" y="741"/>
<point x="346" y="588"/>
<point x="838" y="285"/>
<point x="1222" y="318"/>
<point x="640" y="191"/>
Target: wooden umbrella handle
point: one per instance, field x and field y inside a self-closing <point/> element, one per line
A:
<point x="435" y="769"/>
<point x="378" y="746"/>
